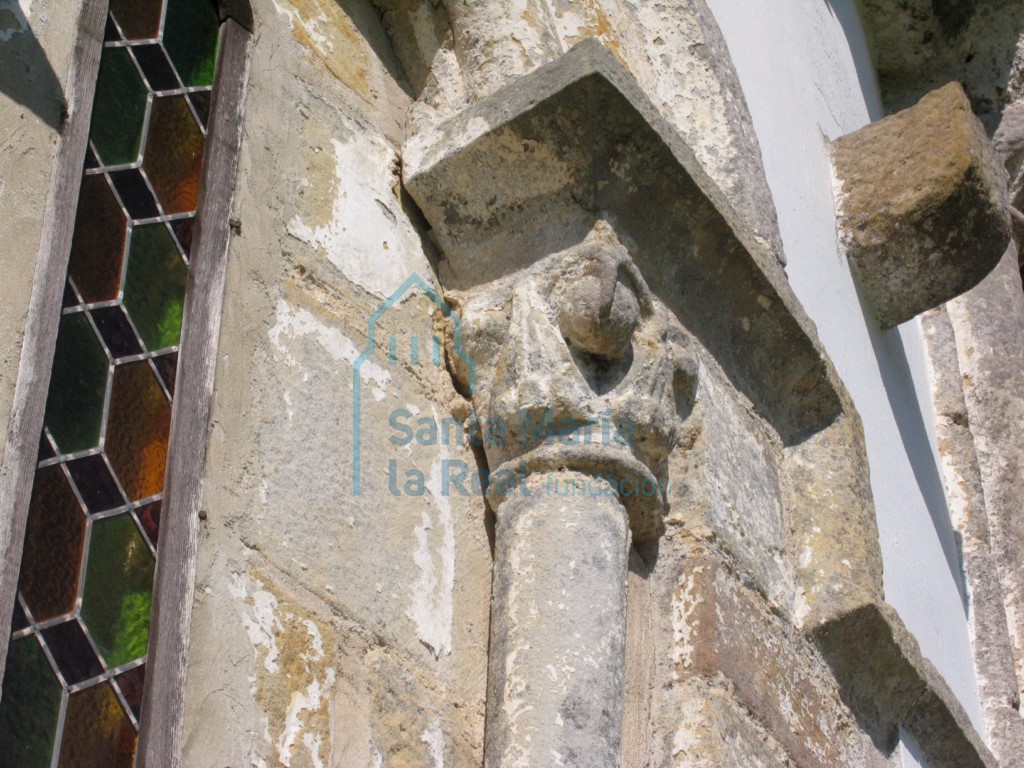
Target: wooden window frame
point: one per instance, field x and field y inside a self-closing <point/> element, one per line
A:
<point x="162" y="721"/>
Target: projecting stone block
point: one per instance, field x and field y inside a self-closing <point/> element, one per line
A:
<point x="923" y="210"/>
<point x="527" y="172"/>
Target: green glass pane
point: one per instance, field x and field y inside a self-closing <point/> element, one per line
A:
<point x="191" y="37"/>
<point x="119" y="109"/>
<point x="29" y="708"/>
<point x="78" y="385"/>
<point x="154" y="291"/>
<point x="118" y="590"/>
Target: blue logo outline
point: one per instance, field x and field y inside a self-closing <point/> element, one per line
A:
<point x="414" y="280"/>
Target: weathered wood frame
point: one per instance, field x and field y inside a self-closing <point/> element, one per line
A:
<point x="163" y="702"/>
<point x="22" y="441"/>
<point x="163" y="696"/>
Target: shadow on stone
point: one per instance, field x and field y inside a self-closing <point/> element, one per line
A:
<point x="26" y="75"/>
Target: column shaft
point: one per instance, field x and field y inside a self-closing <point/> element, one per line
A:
<point x="558" y="625"/>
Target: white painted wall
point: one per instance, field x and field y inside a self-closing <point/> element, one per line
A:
<point x="909" y="751"/>
<point x="807" y="76"/>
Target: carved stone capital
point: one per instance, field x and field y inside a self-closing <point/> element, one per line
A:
<point x="578" y="367"/>
<point x="596" y="270"/>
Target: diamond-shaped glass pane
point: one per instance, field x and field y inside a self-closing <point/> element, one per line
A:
<point x="116" y="332"/>
<point x="95" y="484"/>
<point x="70" y="648"/>
<point x="156" y="68"/>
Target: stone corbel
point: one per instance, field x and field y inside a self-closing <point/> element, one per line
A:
<point x="592" y="263"/>
<point x="923" y="208"/>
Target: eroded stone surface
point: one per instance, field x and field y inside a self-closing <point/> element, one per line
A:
<point x="922" y="204"/>
<point x="774" y="482"/>
<point x="993" y="651"/>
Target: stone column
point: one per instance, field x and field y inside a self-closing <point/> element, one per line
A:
<point x="590" y="262"/>
<point x="558" y="624"/>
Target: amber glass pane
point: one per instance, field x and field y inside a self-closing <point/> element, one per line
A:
<point x="191" y="37"/>
<point x="54" y="536"/>
<point x="97" y="732"/>
<point x="29" y="708"/>
<point x="78" y="385"/>
<point x="174" y="154"/>
<point x="118" y="590"/>
<point x="98" y="246"/>
<point x="140" y="421"/>
<point x="119" y="110"/>
<point x="154" y="291"/>
<point x="139" y="19"/>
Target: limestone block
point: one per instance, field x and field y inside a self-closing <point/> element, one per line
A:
<point x="923" y="211"/>
<point x="772" y="669"/>
<point x="716" y="730"/>
<point x="576" y="141"/>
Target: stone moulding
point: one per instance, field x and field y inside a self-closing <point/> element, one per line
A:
<point x="526" y="173"/>
<point x="923" y="209"/>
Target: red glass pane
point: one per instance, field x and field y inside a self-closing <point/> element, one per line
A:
<point x="183" y="230"/>
<point x="149" y="518"/>
<point x="137" y="430"/>
<point x="54" y="537"/>
<point x="97" y="249"/>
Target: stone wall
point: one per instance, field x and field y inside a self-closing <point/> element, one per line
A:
<point x="343" y="618"/>
<point x="343" y="629"/>
<point x="36" y="42"/>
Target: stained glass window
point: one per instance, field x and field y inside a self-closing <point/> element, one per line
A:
<point x="72" y="689"/>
